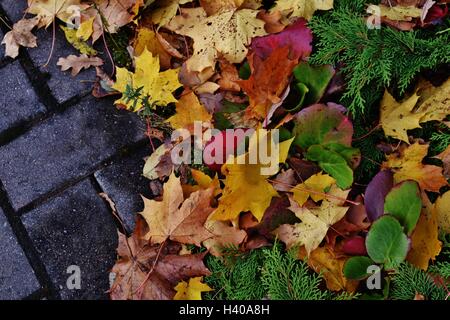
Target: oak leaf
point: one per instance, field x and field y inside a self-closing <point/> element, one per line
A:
<point x="77" y="63"/>
<point x="408" y="165"/>
<point x="425" y="245"/>
<point x="227" y="33"/>
<point x="191" y="290"/>
<point x="314" y="226"/>
<point x="150" y="272"/>
<point x="176" y="218"/>
<point x="20" y="35"/>
<point x="153" y="85"/>
<point x="188" y="110"/>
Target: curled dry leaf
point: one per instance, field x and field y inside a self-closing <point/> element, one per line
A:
<point x="150" y="272"/>
<point x="19" y="36"/>
<point x="77" y="63"/>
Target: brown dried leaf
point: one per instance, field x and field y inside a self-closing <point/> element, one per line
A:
<point x="78" y="63"/>
<point x="19" y="36"/>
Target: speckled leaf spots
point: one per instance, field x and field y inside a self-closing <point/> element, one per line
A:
<point x="227" y="33"/>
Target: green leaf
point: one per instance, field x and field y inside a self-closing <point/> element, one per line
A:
<point x="322" y="124"/>
<point x="244" y="71"/>
<point x="404" y="203"/>
<point x="333" y="164"/>
<point x="386" y="243"/>
<point x="315" y="78"/>
<point x="356" y="267"/>
<point x="298" y="93"/>
<point x="351" y="155"/>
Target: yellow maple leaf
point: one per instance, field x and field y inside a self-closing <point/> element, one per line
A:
<point x="408" y="165"/>
<point x="192" y="290"/>
<point x="434" y="103"/>
<point x="314" y="226"/>
<point x="203" y="182"/>
<point x="323" y="261"/>
<point x="227" y="33"/>
<point x="177" y="218"/>
<point x="188" y="110"/>
<point x="313" y="187"/>
<point x="425" y="245"/>
<point x="82" y="46"/>
<point x="396" y="118"/>
<point x="153" y="85"/>
<point x="428" y="103"/>
<point x="49" y="10"/>
<point x="86" y="29"/>
<point x="442" y="206"/>
<point x="293" y="9"/>
<point x="246" y="188"/>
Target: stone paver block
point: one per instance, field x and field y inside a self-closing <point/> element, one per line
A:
<point x="14" y="9"/>
<point x="124" y="183"/>
<point x="62" y="85"/>
<point x="17" y="278"/>
<point x="68" y="146"/>
<point x="75" y="229"/>
<point x="18" y="100"/>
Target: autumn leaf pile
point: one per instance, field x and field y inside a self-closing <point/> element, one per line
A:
<point x="240" y="64"/>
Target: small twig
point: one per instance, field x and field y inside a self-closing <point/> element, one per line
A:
<point x="368" y="133"/>
<point x="6" y="23"/>
<point x="151" y="270"/>
<point x="53" y="43"/>
<point x="149" y="127"/>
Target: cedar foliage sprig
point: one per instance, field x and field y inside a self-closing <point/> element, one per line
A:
<point x="265" y="273"/>
<point x="409" y="281"/>
<point x="373" y="59"/>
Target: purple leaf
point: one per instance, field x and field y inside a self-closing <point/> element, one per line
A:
<point x="376" y="191"/>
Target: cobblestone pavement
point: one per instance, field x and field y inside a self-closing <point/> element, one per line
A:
<point x="59" y="148"/>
